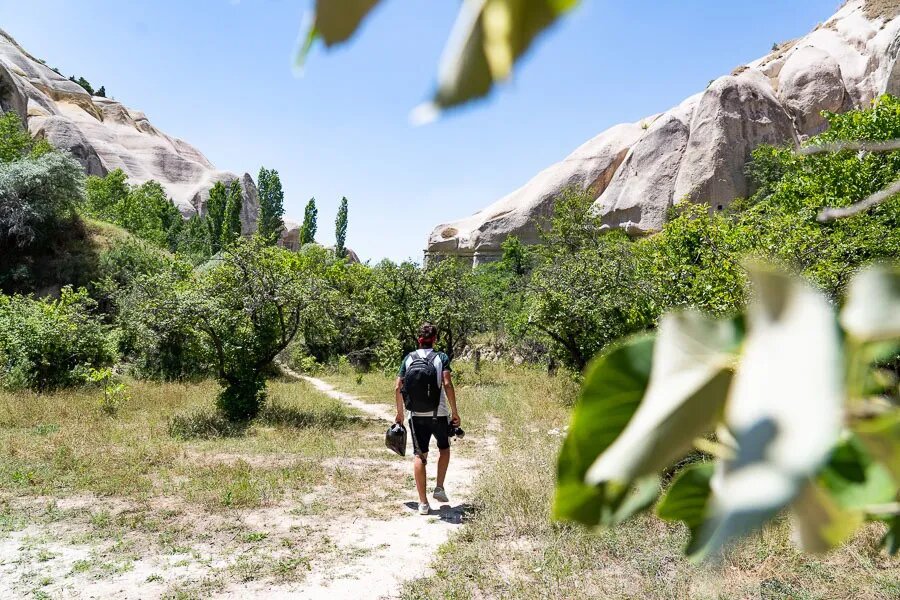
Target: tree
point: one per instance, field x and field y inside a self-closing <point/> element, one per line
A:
<point x="215" y="216"/>
<point x="101" y="92"/>
<point x="35" y="193"/>
<point x="308" y="229"/>
<point x="14" y="140"/>
<point x="271" y="205"/>
<point x="104" y="196"/>
<point x="84" y="83"/>
<point x="340" y="230"/>
<point x="231" y="224"/>
<point x="250" y="306"/>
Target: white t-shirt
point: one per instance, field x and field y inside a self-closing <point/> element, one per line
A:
<point x="441" y="364"/>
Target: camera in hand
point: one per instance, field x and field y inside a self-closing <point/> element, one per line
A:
<point x="455" y="432"/>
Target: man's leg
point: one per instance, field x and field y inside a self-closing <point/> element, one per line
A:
<point x="443" y="462"/>
<point x="419" y="473"/>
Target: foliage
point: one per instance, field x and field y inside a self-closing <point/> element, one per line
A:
<point x="215" y="216"/>
<point x="145" y="210"/>
<point x="15" y="142"/>
<point x="308" y="228"/>
<point x="489" y="37"/>
<point x="249" y="306"/>
<point x="36" y="192"/>
<point x="115" y="393"/>
<point x="51" y="343"/>
<point x="340" y="230"/>
<point x="85" y="84"/>
<point x="793" y="428"/>
<point x="271" y="205"/>
<point x="231" y="222"/>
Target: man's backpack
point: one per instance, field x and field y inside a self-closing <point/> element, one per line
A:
<point x="420" y="384"/>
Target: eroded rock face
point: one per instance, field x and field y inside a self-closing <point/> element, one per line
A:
<point x="735" y="115"/>
<point x="590" y="168"/>
<point x="104" y="135"/>
<point x="698" y="150"/>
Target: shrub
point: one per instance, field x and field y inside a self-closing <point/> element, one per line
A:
<point x="51" y="343"/>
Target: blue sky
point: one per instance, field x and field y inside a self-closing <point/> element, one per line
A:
<point x="218" y="74"/>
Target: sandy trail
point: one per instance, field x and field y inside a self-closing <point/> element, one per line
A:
<point x="376" y="556"/>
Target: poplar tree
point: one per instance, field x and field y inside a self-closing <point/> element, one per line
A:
<point x="271" y="206"/>
<point x="308" y="229"/>
<point x="231" y="222"/>
<point x="340" y="230"/>
<point x="215" y="213"/>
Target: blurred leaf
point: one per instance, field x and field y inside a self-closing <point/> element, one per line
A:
<point x="692" y="362"/>
<point x="785" y="407"/>
<point x="337" y="20"/>
<point x="853" y="479"/>
<point x="872" y="311"/>
<point x="614" y="384"/>
<point x="489" y="36"/>
<point x="687" y="498"/>
<point x="820" y="523"/>
<point x="881" y="437"/>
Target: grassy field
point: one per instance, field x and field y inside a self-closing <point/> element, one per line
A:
<point x="89" y="501"/>
<point x="91" y="504"/>
<point x="510" y="549"/>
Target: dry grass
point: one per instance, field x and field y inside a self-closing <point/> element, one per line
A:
<point x="92" y="503"/>
<point x="887" y="9"/>
<point x="511" y="549"/>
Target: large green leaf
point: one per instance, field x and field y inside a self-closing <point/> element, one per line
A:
<point x="692" y="369"/>
<point x="784" y="409"/>
<point x="337" y="20"/>
<point x="614" y="384"/>
<point x="872" y="311"/>
<point x="881" y="437"/>
<point x="687" y="499"/>
<point x="488" y="38"/>
<point x="853" y="479"/>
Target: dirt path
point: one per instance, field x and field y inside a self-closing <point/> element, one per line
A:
<point x="377" y="555"/>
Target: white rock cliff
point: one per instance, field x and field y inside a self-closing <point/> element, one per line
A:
<point x="697" y="151"/>
<point x="105" y="135"/>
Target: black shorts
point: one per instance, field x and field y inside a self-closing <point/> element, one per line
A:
<point x="422" y="428"/>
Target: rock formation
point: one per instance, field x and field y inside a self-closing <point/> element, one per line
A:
<point x="104" y="135"/>
<point x="697" y="151"/>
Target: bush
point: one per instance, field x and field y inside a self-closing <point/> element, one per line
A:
<point x="51" y="343"/>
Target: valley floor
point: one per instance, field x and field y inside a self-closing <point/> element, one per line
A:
<point x="308" y="503"/>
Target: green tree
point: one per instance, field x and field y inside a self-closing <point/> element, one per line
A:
<point x="308" y="229"/>
<point x="193" y="239"/>
<point x="14" y="140"/>
<point x="104" y="196"/>
<point x="231" y="225"/>
<point x="101" y="92"/>
<point x="271" y="205"/>
<point x="215" y="216"/>
<point x="340" y="230"/>
<point x="250" y="305"/>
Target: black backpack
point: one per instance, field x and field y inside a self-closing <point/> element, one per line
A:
<point x="420" y="384"/>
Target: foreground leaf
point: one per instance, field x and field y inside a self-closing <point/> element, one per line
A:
<point x="336" y="20"/>
<point x="784" y="409"/>
<point x="819" y="522"/>
<point x="488" y="38"/>
<point x="872" y="311"/>
<point x="692" y="362"/>
<point x="614" y="384"/>
<point x="881" y="437"/>
<point x="687" y="499"/>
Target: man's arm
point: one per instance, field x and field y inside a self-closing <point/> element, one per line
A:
<point x="398" y="398"/>
<point x="451" y="398"/>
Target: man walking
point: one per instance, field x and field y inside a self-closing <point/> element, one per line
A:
<point x="423" y="390"/>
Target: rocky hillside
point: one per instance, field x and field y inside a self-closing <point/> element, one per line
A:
<point x="697" y="151"/>
<point x="104" y="134"/>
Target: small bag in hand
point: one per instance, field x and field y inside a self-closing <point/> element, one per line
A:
<point x="395" y="439"/>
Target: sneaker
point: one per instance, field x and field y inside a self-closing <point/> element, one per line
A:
<point x="440" y="495"/>
<point x="424" y="509"/>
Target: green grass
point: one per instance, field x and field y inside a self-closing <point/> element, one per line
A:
<point x="510" y="548"/>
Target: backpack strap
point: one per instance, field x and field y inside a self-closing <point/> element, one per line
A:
<point x="429" y="358"/>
